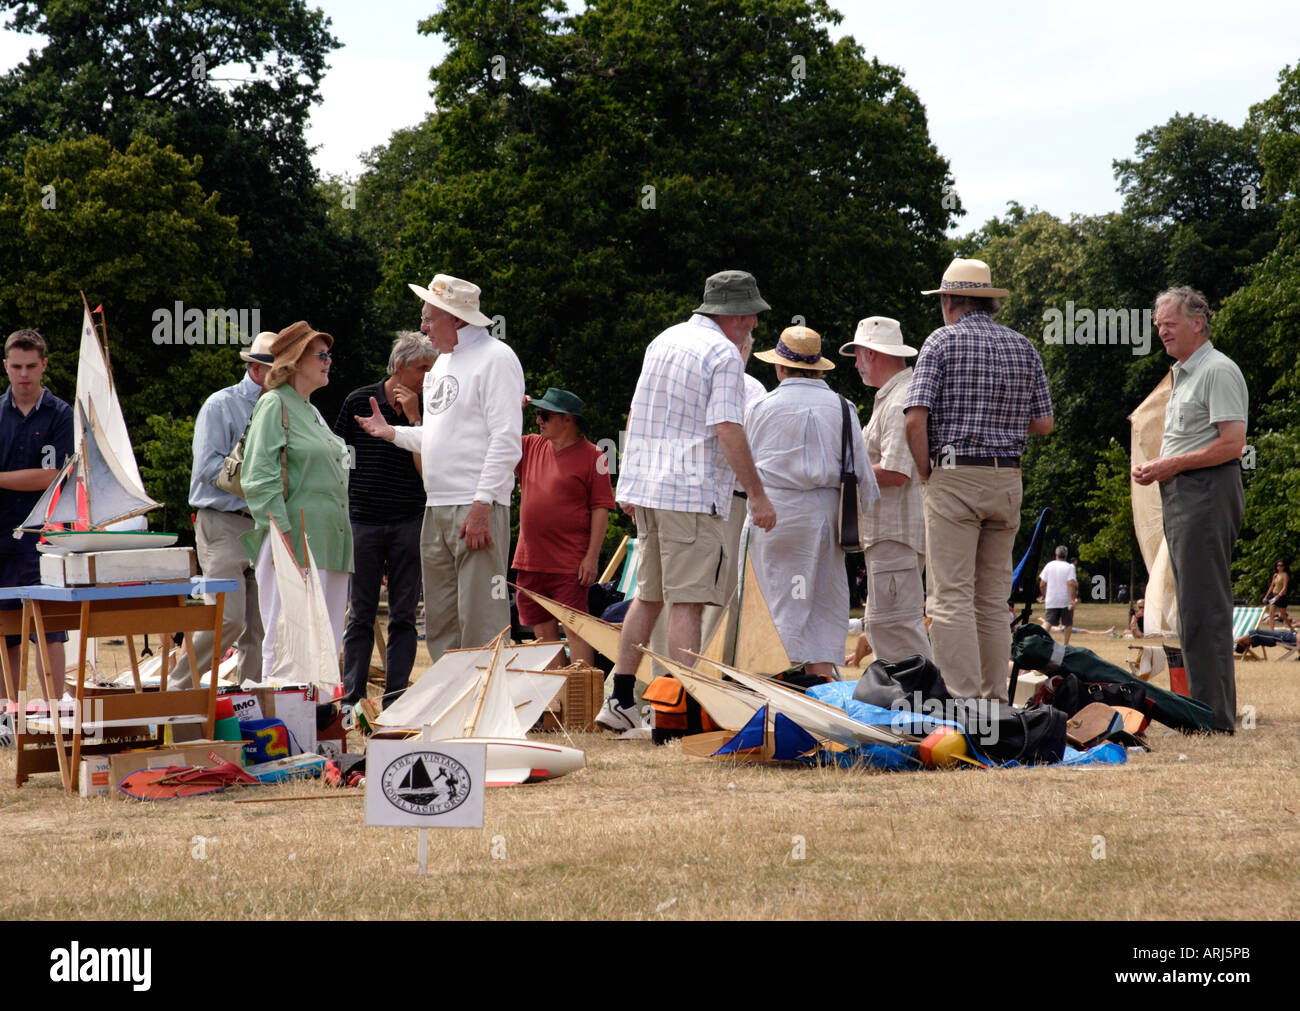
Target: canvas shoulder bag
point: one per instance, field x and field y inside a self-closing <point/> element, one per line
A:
<point x="850" y="527"/>
<point x="228" y="477"/>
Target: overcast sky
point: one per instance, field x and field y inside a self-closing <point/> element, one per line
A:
<point x="1029" y="101"/>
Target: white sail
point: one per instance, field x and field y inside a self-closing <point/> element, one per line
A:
<point x="817" y="718"/>
<point x="112" y="492"/>
<point x="304" y="642"/>
<point x="496" y="716"/>
<point x="36" y="519"/>
<point x="95" y="390"/>
<point x="455" y="710"/>
<point x="1148" y="422"/>
<point x="729" y="706"/>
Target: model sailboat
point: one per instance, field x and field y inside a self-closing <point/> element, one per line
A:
<point x="92" y="492"/>
<point x="481" y="711"/>
<point x="97" y="502"/>
<point x="304" y="638"/>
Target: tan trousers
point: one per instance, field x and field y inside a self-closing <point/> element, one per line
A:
<point x="971" y="518"/>
<point x="895" y="617"/>
<point x="466" y="600"/>
<point x="222" y="556"/>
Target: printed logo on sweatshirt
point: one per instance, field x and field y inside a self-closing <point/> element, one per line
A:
<point x="443" y="394"/>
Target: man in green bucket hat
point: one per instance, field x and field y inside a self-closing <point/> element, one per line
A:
<point x="685" y="450"/>
<point x="564" y="504"/>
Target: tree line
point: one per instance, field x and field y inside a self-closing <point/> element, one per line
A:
<point x="588" y="171"/>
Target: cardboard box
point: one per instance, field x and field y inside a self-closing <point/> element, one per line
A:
<point x="297" y="767"/>
<point x="104" y="568"/>
<point x="93" y="778"/>
<point x="190" y="754"/>
<point x="296" y="707"/>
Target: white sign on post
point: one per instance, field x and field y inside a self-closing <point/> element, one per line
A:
<point x="425" y="784"/>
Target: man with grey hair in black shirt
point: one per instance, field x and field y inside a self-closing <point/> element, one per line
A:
<point x="386" y="506"/>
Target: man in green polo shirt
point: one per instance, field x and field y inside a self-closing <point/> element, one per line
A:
<point x="1199" y="470"/>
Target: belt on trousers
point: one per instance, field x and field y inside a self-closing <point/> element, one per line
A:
<point x="1001" y="462"/>
<point x="740" y="494"/>
<point x="237" y="512"/>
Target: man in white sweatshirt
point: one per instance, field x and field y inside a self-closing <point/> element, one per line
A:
<point x="469" y="443"/>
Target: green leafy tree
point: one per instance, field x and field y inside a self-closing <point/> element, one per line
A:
<point x="166" y="456"/>
<point x="1111" y="501"/>
<point x="589" y="171"/>
<point x="231" y="82"/>
<point x="1262" y="317"/>
<point x="132" y="229"/>
<point x="1199" y="180"/>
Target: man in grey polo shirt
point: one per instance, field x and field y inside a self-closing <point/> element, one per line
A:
<point x="220" y="518"/>
<point x="1199" y="470"/>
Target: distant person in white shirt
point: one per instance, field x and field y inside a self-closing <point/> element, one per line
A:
<point x="469" y="443"/>
<point x="1059" y="585"/>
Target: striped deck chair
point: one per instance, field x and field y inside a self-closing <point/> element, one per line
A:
<point x="627" y="580"/>
<point x="1245" y="620"/>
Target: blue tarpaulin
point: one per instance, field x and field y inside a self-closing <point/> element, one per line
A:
<point x="904" y="721"/>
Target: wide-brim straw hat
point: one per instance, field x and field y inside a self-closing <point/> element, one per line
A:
<point x="798" y="348"/>
<point x="732" y="293"/>
<point x="878" y="333"/>
<point x="292" y="341"/>
<point x="460" y="298"/>
<point x="259" y="352"/>
<point x="970" y="278"/>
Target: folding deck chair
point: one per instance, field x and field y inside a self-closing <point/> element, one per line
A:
<point x="1245" y="620"/>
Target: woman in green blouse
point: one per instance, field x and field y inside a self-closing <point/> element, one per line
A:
<point x="296" y="472"/>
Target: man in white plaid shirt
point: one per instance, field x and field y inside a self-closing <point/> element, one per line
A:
<point x="685" y="450"/>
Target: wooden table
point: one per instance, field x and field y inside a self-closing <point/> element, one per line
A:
<point x="98" y="612"/>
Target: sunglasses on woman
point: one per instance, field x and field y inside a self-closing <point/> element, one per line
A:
<point x="543" y="415"/>
<point x="324" y="356"/>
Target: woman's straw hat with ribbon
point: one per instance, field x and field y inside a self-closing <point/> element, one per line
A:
<point x="798" y="348"/>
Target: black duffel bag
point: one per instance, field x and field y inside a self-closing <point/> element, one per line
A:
<point x="1005" y="733"/>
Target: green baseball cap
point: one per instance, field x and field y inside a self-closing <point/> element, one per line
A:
<point x="732" y="293"/>
<point x="559" y="401"/>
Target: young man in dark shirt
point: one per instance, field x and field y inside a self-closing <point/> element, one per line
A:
<point x="35" y="440"/>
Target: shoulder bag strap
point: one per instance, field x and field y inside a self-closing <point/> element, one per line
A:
<point x="284" y="452"/>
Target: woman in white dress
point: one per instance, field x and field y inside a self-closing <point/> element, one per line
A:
<point x="795" y="434"/>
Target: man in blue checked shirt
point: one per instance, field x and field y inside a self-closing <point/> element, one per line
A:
<point x="685" y="450"/>
<point x="977" y="392"/>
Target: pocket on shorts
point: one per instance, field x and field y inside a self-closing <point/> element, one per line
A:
<point x="887" y="585"/>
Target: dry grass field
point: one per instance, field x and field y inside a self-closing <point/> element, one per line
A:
<point x="1200" y="828"/>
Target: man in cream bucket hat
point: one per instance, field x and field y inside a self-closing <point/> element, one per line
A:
<point x="893" y="529"/>
<point x="469" y="443"/>
<point x="977" y="392"/>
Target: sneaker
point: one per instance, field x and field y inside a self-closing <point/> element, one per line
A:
<point x="618" y="718"/>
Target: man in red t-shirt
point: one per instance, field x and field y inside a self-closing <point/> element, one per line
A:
<point x="565" y="499"/>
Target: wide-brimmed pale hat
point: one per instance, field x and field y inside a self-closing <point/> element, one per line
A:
<point x="292" y="341"/>
<point x="878" y="333"/>
<point x="259" y="352"/>
<point x="798" y="348"/>
<point x="460" y="298"/>
<point x="559" y="402"/>
<point x="732" y="293"/>
<point x="970" y="278"/>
